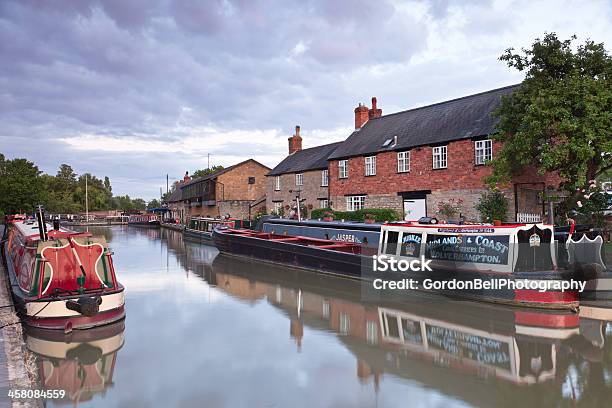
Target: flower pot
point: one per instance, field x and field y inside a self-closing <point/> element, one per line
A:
<point x="328" y="219"/>
<point x="497" y="223"/>
<point x="369" y="221"/>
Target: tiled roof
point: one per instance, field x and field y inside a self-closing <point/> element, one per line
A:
<point x="462" y="118"/>
<point x="313" y="158"/>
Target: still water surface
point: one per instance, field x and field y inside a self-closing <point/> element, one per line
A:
<point x="204" y="329"/>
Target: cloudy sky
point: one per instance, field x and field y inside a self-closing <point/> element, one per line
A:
<point x="138" y="89"/>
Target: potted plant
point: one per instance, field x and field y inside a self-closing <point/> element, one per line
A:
<point x="328" y="216"/>
<point x="369" y="219"/>
<point x="449" y="209"/>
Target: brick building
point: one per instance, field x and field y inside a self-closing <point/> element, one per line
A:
<point x="238" y="190"/>
<point x="303" y="172"/>
<point x="410" y="161"/>
<point x="178" y="210"/>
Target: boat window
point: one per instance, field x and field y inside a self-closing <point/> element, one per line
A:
<point x="391" y="239"/>
<point x="411" y="244"/>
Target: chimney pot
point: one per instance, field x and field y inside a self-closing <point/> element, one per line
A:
<point x="295" y="141"/>
<point x="361" y="116"/>
<point x="374" y="112"/>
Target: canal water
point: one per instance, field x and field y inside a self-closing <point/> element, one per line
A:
<point x="205" y="329"/>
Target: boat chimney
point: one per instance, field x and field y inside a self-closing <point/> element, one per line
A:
<point x="42" y="227"/>
<point x="56" y="224"/>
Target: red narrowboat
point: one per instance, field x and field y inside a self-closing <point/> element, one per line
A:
<point x="60" y="279"/>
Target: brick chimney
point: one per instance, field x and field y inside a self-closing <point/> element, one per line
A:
<point x="374" y="112"/>
<point x="186" y="177"/>
<point x="361" y="116"/>
<point x="295" y="141"/>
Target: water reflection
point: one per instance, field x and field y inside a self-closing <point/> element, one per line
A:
<point x="81" y="363"/>
<point x="204" y="329"/>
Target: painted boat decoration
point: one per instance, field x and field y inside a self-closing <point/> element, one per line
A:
<point x="514" y="252"/>
<point x="61" y="279"/>
<point x="144" y="220"/>
<point x="200" y="228"/>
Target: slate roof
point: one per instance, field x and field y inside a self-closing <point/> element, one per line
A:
<point x="456" y="119"/>
<point x="313" y="158"/>
<point x="175" y="196"/>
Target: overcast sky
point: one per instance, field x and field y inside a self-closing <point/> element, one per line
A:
<point x="137" y="89"/>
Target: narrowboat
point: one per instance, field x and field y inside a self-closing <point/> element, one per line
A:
<point x="343" y="231"/>
<point x="61" y="279"/>
<point x="144" y="220"/>
<point x="511" y="264"/>
<point x="200" y="228"/>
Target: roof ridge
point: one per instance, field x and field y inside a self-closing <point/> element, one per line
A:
<point x="316" y="147"/>
<point x="447" y="101"/>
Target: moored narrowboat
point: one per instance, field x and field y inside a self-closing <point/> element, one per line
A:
<point x="144" y="220"/>
<point x="200" y="228"/>
<point x="512" y="264"/>
<point x="61" y="279"/>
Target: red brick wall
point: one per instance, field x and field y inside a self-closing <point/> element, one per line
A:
<point x="462" y="173"/>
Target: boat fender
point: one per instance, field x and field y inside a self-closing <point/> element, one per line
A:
<point x="87" y="306"/>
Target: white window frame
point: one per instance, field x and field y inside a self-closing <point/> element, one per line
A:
<point x="345" y="323"/>
<point x="343" y="169"/>
<point x="370" y="166"/>
<point x="354" y="203"/>
<point x="277" y="206"/>
<point x="483" y="151"/>
<point x="439" y="155"/>
<point x="277" y="183"/>
<point x="323" y="203"/>
<point x="371" y="332"/>
<point x="324" y="178"/>
<point x="403" y="162"/>
<point x="299" y="179"/>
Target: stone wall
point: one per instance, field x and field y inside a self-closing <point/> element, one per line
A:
<point x="234" y="185"/>
<point x="311" y="190"/>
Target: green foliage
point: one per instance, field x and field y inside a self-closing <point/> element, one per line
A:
<point x="450" y="208"/>
<point x="257" y="216"/>
<point x="591" y="205"/>
<point x="20" y="186"/>
<point x="493" y="205"/>
<point x="379" y="214"/>
<point x="154" y="203"/>
<point x="560" y="119"/>
<point x="205" y="172"/>
<point x="23" y="187"/>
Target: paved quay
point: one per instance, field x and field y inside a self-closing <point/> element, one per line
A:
<point x="17" y="364"/>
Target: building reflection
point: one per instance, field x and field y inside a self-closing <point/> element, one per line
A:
<point x="477" y="352"/>
<point x="81" y="363"/>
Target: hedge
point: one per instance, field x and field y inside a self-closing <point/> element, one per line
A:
<point x="380" y="214"/>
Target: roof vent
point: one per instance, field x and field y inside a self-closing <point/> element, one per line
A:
<point x="387" y="143"/>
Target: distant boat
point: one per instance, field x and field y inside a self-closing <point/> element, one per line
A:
<point x="61" y="279"/>
<point x="200" y="228"/>
<point x="144" y="220"/>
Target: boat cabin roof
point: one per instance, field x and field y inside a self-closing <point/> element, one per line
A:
<point x="463" y="227"/>
<point x="29" y="230"/>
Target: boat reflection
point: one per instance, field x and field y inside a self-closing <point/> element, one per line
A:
<point x="81" y="363"/>
<point x="484" y="354"/>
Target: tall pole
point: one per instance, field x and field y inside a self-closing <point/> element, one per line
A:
<point x="86" y="203"/>
<point x="208" y="161"/>
<point x="167" y="185"/>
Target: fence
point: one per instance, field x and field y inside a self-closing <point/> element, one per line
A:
<point x="527" y="217"/>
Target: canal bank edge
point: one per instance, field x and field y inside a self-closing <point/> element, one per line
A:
<point x="21" y="372"/>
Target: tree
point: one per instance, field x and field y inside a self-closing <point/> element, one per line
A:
<point x="21" y="187"/>
<point x="154" y="203"/>
<point x="206" y="172"/>
<point x="559" y="119"/>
